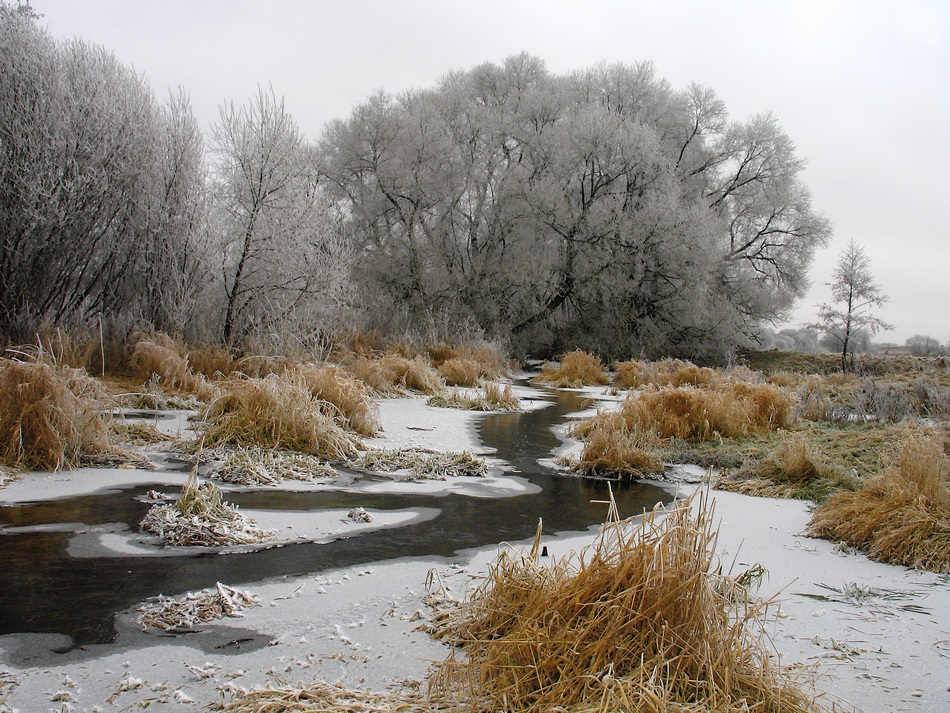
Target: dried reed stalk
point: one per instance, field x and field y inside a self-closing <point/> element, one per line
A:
<point x="422" y="463"/>
<point x="266" y="466"/>
<point x="491" y="397"/>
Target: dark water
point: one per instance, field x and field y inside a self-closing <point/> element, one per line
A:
<point x="44" y="589"/>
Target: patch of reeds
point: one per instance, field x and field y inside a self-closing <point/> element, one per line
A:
<point x="573" y="370"/>
<point x="460" y="372"/>
<point x="213" y="361"/>
<point x="615" y="448"/>
<point x="139" y="433"/>
<point x="274" y="412"/>
<point x="320" y="697"/>
<point x="900" y="517"/>
<point x="201" y="517"/>
<point x="491" y="397"/>
<point x="421" y="463"/>
<point x="394" y="375"/>
<point x="346" y="398"/>
<point x="635" y="622"/>
<point x="52" y="417"/>
<point x="181" y="614"/>
<point x="160" y="356"/>
<point x="266" y="466"/>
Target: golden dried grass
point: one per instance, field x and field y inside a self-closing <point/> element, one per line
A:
<point x="635" y="622"/>
<point x="51" y="417"/>
<point x="422" y="463"/>
<point x="275" y="412"/>
<point x="902" y="516"/>
<point x="395" y="375"/>
<point x="346" y="398"/>
<point x="491" y="397"/>
<point x="615" y="448"/>
<point x="460" y="372"/>
<point x="575" y="369"/>
<point x="159" y="356"/>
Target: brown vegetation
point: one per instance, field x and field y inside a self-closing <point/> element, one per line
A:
<point x="160" y="356"/>
<point x="491" y="397"/>
<point x="274" y="412"/>
<point x="900" y="517"/>
<point x="346" y="398"/>
<point x="394" y="375"/>
<point x="51" y="417"/>
<point x="575" y="369"/>
<point x="636" y="622"/>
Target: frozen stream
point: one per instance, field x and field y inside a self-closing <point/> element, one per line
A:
<point x="45" y="588"/>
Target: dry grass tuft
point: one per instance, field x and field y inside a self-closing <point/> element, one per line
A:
<point x="200" y="517"/>
<point x="575" y="369"/>
<point x="793" y="469"/>
<point x="422" y="463"/>
<point x="635" y="622"/>
<point x="900" y="517"/>
<point x="51" y="417"/>
<point x="266" y="466"/>
<point x="182" y="613"/>
<point x="615" y="448"/>
<point x="323" y="697"/>
<point x="161" y="357"/>
<point x="275" y="412"/>
<point x="492" y="397"/>
<point x="394" y="375"/>
<point x="213" y="361"/>
<point x="346" y="398"/>
<point x="460" y="372"/>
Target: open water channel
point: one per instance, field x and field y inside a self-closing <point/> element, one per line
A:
<point x="44" y="589"/>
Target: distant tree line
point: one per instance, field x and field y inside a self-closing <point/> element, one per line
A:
<point x="600" y="209"/>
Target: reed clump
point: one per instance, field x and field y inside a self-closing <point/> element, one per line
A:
<point x="574" y="370"/>
<point x="159" y="356"/>
<point x="902" y="516"/>
<point x="491" y="397"/>
<point x="346" y="399"/>
<point x="201" y="517"/>
<point x="275" y="412"/>
<point x="266" y="466"/>
<point x="395" y="375"/>
<point x="615" y="448"/>
<point x="422" y="463"/>
<point x="51" y="416"/>
<point x="460" y="372"/>
<point x="635" y="622"/>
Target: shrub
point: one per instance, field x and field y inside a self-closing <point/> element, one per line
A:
<point x="51" y="416"/>
<point x="274" y="412"/>
<point x="575" y="369"/>
<point x="900" y="517"/>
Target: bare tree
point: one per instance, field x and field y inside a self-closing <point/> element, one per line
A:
<point x="855" y="294"/>
<point x="282" y="246"/>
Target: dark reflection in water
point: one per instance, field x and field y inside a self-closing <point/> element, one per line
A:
<point x="43" y="589"/>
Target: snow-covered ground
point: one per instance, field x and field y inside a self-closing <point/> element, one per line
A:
<point x="878" y="635"/>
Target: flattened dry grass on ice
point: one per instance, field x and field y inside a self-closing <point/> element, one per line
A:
<point x="51" y="417"/>
<point x="491" y="397"/>
<point x="275" y="412"/>
<point x="422" y="463"/>
<point x="635" y="622"/>
<point x="266" y="466"/>
<point x="900" y="517"/>
<point x="183" y="613"/>
<point x="574" y="370"/>
<point x="323" y="697"/>
<point x="201" y="517"/>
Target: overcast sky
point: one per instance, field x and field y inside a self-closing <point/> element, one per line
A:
<point x="862" y="87"/>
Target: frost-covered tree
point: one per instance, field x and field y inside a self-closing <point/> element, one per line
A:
<point x="283" y="252"/>
<point x="849" y="318"/>
<point x="600" y="209"/>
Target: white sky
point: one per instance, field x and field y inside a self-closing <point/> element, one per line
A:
<point x="861" y="86"/>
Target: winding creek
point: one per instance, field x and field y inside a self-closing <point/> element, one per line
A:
<point x="44" y="589"/>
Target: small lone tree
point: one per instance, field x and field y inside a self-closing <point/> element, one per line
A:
<point x="855" y="293"/>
